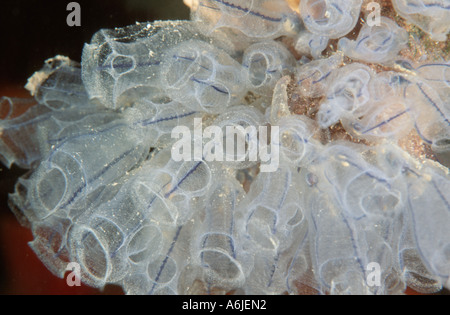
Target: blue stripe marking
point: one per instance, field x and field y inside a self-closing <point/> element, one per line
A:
<point x="148" y="122"/>
<point x="386" y="122"/>
<point x="419" y="85"/>
<point x="246" y="10"/>
<point x="163" y="265"/>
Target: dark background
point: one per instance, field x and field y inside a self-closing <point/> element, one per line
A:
<point x="32" y="31"/>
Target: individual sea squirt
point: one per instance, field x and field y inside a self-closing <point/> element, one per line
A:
<point x="359" y="200"/>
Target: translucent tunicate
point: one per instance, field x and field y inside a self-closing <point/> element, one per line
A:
<point x="311" y="44"/>
<point x="296" y="144"/>
<point x="129" y="60"/>
<point x="312" y="78"/>
<point x="331" y="18"/>
<point x="157" y="120"/>
<point x="202" y="77"/>
<point x="237" y="141"/>
<point x="224" y="265"/>
<point x="72" y="170"/>
<point x="348" y="96"/>
<point x="434" y="90"/>
<point x="265" y="63"/>
<point x="437" y="75"/>
<point x="431" y="113"/>
<point x="435" y="255"/>
<point x="342" y="255"/>
<point x="272" y="223"/>
<point x="256" y="19"/>
<point x="378" y="43"/>
<point x="30" y="131"/>
<point x="430" y="15"/>
<point x="58" y="84"/>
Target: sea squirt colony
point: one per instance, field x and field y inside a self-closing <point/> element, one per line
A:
<point x="103" y="190"/>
